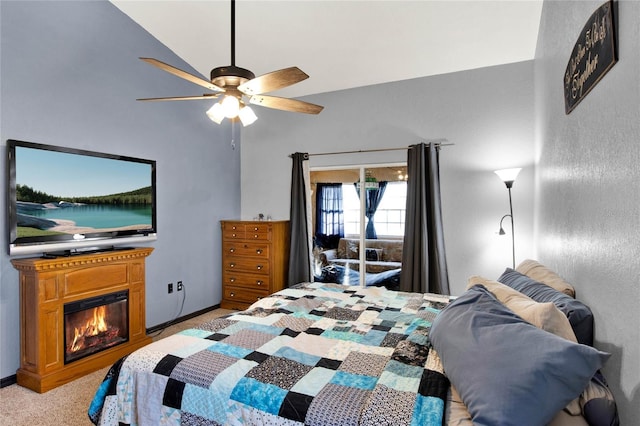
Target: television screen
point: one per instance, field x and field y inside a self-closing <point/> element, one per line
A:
<point x="65" y="199"/>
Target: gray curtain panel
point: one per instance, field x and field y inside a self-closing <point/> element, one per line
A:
<point x="424" y="265"/>
<point x="372" y="201"/>
<point x="299" y="265"/>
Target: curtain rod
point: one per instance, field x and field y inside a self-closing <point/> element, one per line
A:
<point x="438" y="143"/>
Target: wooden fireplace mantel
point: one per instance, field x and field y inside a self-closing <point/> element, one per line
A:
<point x="46" y="285"/>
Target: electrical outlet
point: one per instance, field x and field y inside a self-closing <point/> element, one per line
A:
<point x="179" y="285"/>
<point x="170" y="288"/>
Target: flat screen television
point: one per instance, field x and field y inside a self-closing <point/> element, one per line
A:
<point x="67" y="201"/>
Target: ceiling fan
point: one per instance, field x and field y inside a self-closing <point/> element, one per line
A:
<point x="235" y="83"/>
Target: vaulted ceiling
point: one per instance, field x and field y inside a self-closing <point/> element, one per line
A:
<point x="342" y="44"/>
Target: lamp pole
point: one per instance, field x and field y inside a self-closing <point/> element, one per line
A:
<point x="513" y="236"/>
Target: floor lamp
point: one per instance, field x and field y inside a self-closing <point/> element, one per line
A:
<point x="508" y="176"/>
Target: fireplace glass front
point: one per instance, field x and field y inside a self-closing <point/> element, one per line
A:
<point x="95" y="324"/>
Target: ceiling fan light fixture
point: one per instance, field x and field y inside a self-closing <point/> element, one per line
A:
<point x="236" y="82"/>
<point x="247" y="116"/>
<point x="215" y="113"/>
<point x="230" y="106"/>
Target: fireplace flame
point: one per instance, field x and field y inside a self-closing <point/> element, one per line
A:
<point x="92" y="327"/>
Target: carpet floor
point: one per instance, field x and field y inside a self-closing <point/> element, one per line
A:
<point x="68" y="404"/>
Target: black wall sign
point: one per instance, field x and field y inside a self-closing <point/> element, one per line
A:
<point x="593" y="55"/>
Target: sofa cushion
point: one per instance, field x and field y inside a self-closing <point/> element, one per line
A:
<point x="507" y="371"/>
<point x="349" y="248"/>
<point x="371" y="266"/>
<point x="352" y="250"/>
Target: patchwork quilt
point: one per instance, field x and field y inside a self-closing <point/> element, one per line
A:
<point x="314" y="354"/>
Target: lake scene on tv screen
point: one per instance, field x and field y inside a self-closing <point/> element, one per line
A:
<point x="63" y="193"/>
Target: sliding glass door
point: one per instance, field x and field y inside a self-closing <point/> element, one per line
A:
<point x="358" y="222"/>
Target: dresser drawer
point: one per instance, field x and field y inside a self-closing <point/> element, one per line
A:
<point x="237" y="248"/>
<point x="257" y="235"/>
<point x="234" y="234"/>
<point x="233" y="226"/>
<point x="246" y="264"/>
<point x="245" y="280"/>
<point x="243" y="295"/>
<point x="248" y="231"/>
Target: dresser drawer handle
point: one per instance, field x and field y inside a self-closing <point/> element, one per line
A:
<point x="234" y="228"/>
<point x="255" y="236"/>
<point x="259" y="251"/>
<point x="232" y="250"/>
<point x="233" y="235"/>
<point x="232" y="294"/>
<point x="232" y="265"/>
<point x="232" y="280"/>
<point x="259" y="282"/>
<point x="259" y="267"/>
<point x="258" y="297"/>
<point x="256" y="228"/>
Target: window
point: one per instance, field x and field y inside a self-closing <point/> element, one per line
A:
<point x="342" y="260"/>
<point x="389" y="218"/>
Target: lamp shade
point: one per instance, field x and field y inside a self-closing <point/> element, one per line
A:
<point x="247" y="116"/>
<point x="508" y="176"/>
<point x="215" y="113"/>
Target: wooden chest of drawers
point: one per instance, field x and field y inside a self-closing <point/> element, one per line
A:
<point x="255" y="260"/>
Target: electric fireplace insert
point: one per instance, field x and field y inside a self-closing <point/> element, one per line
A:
<point x="95" y="324"/>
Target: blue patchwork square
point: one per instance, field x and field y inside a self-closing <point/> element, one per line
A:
<point x="427" y="411"/>
<point x="301" y="357"/>
<point x="262" y="396"/>
<point x="229" y="350"/>
<point x="354" y="380"/>
<point x="373" y="337"/>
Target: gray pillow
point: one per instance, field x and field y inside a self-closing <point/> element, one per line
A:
<point x="578" y="314"/>
<point x="507" y="371"/>
<point x="597" y="403"/>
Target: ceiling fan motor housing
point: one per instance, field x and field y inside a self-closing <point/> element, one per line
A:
<point x="230" y="76"/>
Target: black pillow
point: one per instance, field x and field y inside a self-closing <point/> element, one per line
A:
<point x="578" y="314"/>
<point x="373" y="254"/>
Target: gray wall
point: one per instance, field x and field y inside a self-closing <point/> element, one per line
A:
<point x="588" y="180"/>
<point x="487" y="113"/>
<point x="70" y="75"/>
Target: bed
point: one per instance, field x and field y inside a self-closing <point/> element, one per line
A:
<point x="330" y="354"/>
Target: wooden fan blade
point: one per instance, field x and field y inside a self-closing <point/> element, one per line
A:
<point x="273" y="81"/>
<point x="182" y="98"/>
<point x="183" y="74"/>
<point x="285" y="104"/>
